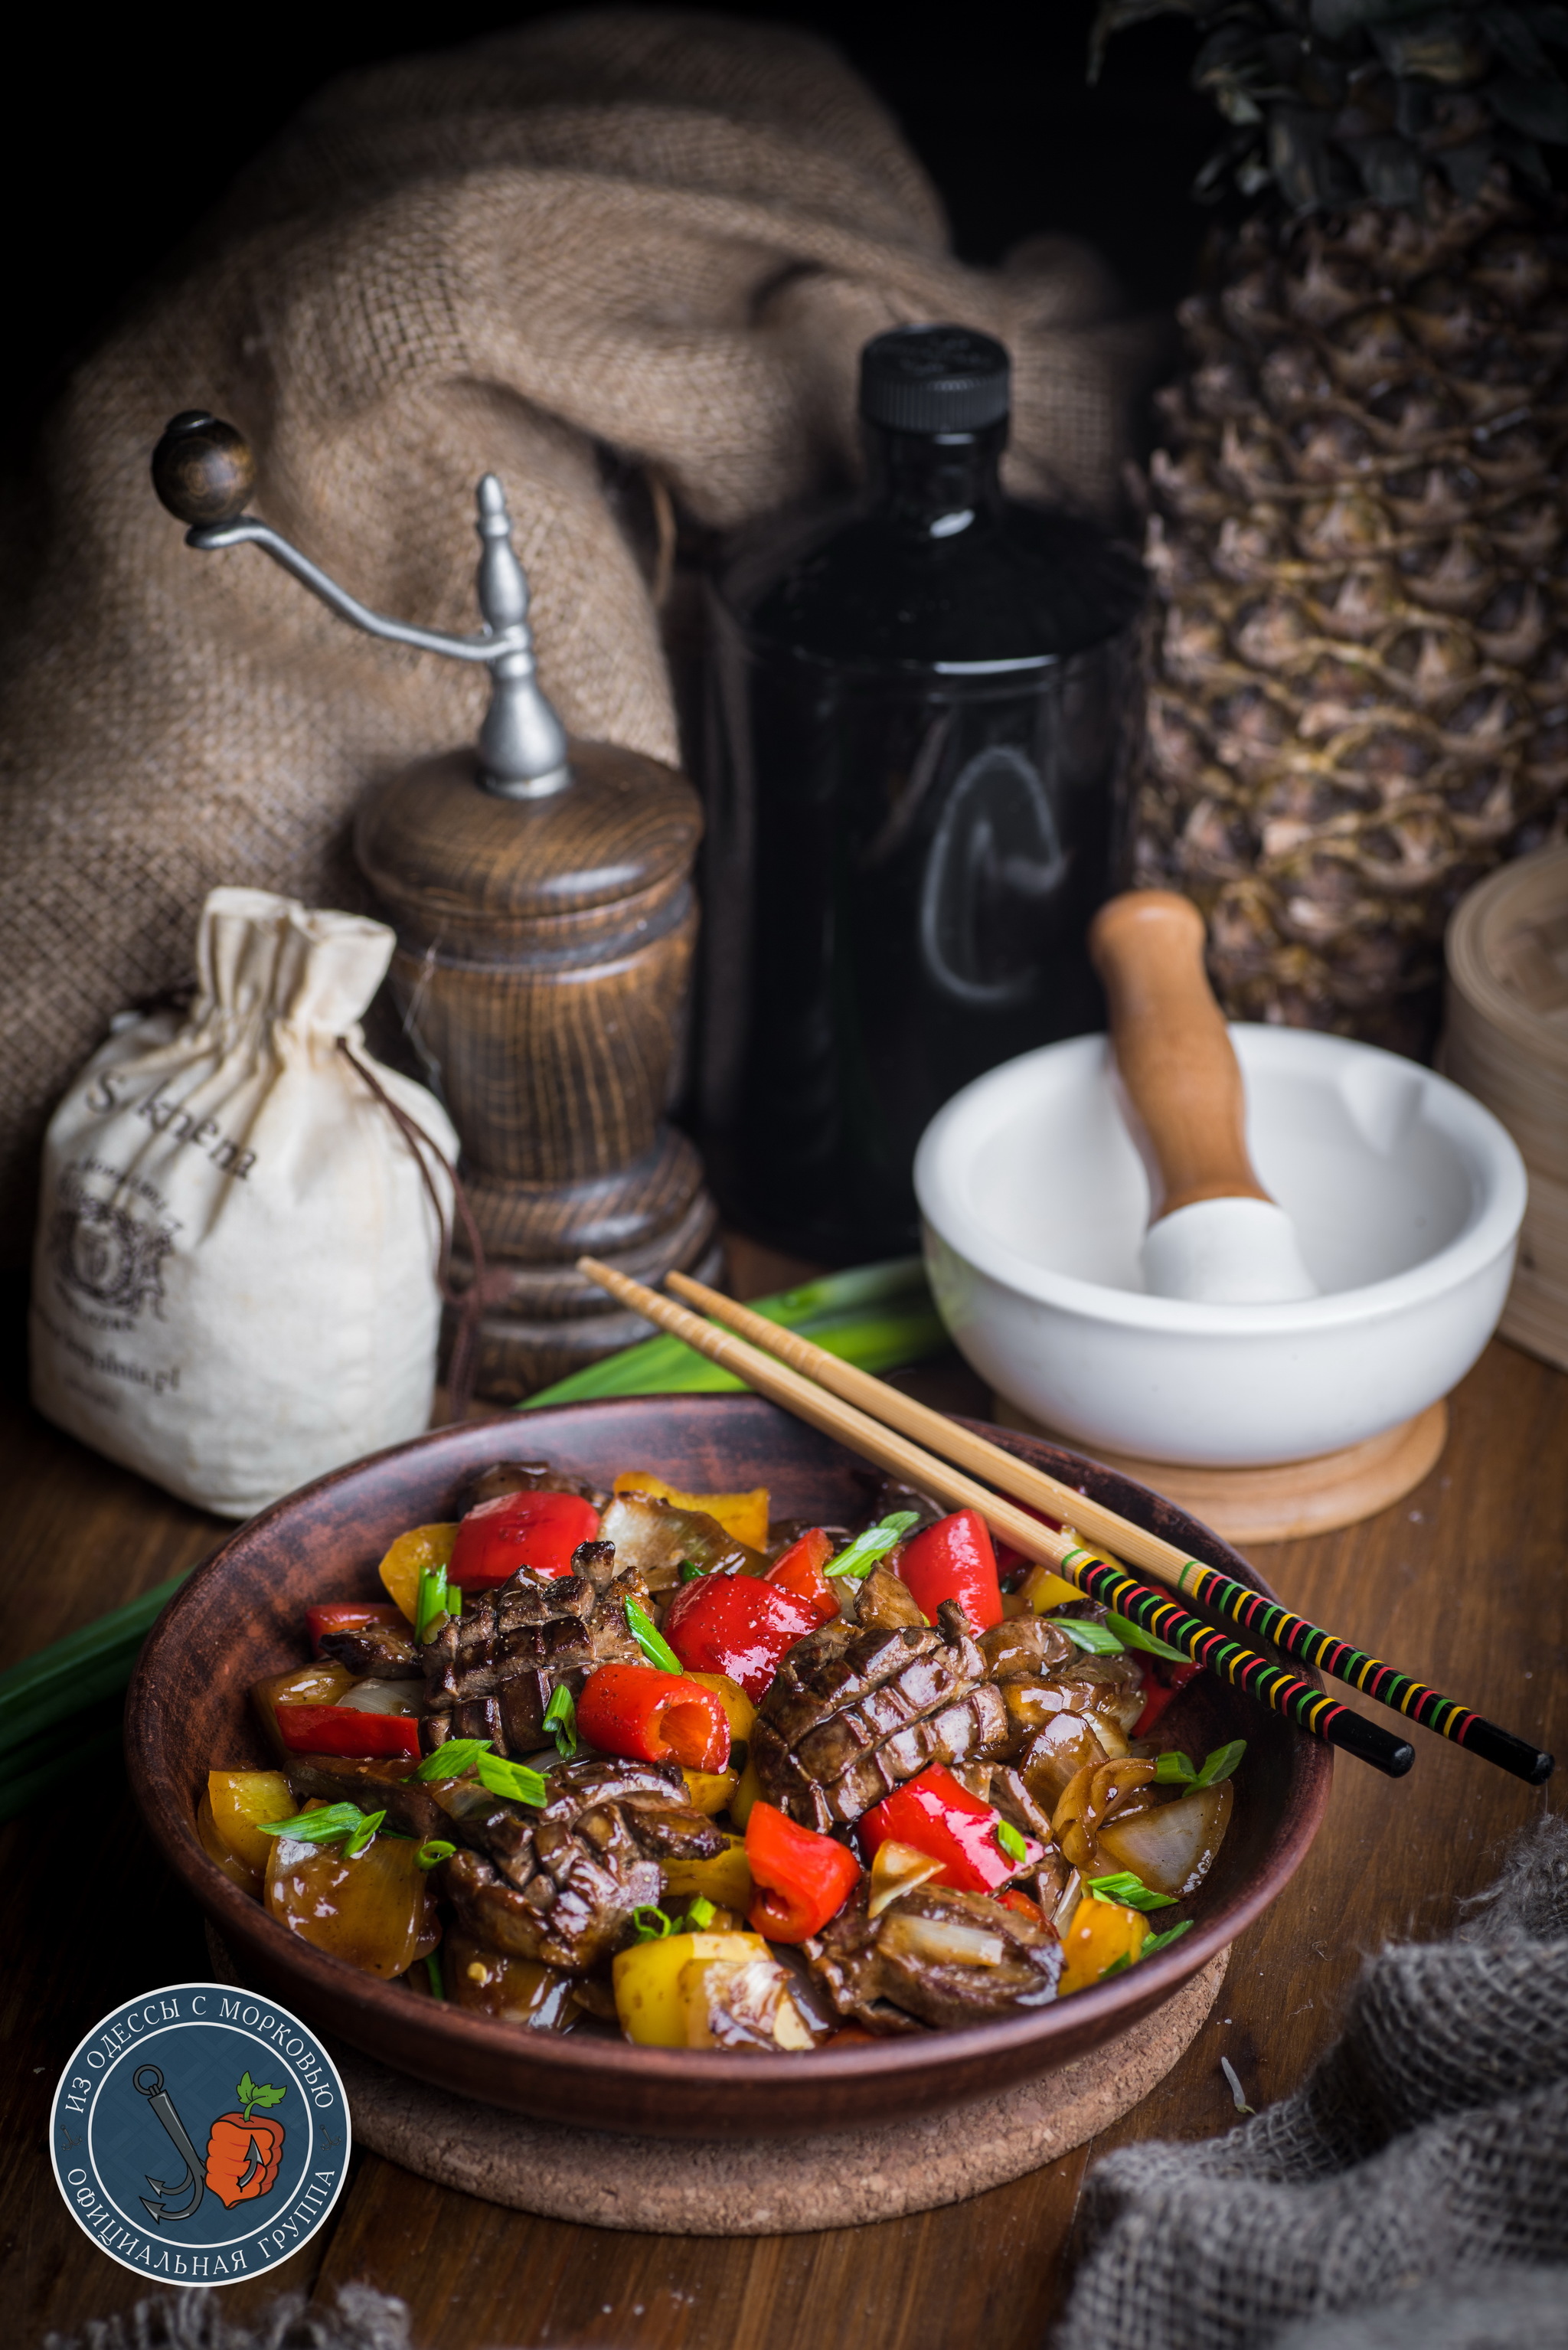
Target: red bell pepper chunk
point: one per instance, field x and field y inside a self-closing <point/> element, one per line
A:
<point x="345" y="1614"/>
<point x="538" y="1531"/>
<point x="801" y="1878"/>
<point x="938" y="1816"/>
<point x="654" y="1717"/>
<point x="342" y="1730"/>
<point x="1159" y="1688"/>
<point x="1012" y="1900"/>
<point x="799" y="1569"/>
<point x="954" y="1559"/>
<point x="739" y="1625"/>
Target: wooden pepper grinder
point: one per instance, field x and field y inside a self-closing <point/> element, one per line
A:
<point x="541" y="892"/>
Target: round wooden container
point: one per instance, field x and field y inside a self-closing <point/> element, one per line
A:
<point x="1506" y="1041"/>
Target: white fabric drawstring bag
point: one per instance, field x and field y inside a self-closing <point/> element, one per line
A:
<point x="235" y="1286"/>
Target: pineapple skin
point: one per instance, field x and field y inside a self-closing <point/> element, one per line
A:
<point x="1357" y="644"/>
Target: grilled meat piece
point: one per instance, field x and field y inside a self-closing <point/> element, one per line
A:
<point x="382" y="1652"/>
<point x="654" y="1537"/>
<point x="935" y="1957"/>
<point x="525" y="1477"/>
<point x="853" y="1713"/>
<point x="491" y="1672"/>
<point x="1026" y="1648"/>
<point x="565" y="1891"/>
<point x="882" y="1602"/>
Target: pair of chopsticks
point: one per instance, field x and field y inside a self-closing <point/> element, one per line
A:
<point x="878" y="1421"/>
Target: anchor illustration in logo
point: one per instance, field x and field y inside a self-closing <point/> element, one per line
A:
<point x="242" y="2154"/>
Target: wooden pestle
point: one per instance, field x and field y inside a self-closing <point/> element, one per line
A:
<point x="1216" y="1236"/>
<point x="1183" y="1096"/>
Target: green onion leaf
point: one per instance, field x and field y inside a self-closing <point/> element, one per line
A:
<point x="650" y="1640"/>
<point x="688" y="1571"/>
<point x="432" y="1973"/>
<point x="1097" y="1638"/>
<point x="561" y="1721"/>
<point x="1173" y="1769"/>
<point x="1133" y="1636"/>
<point x="431" y="1854"/>
<point x="514" y="1780"/>
<point x="1118" y="1967"/>
<point x="1220" y="1764"/>
<point x="1130" y="1890"/>
<point x="701" y="1913"/>
<point x="1163" y="1941"/>
<point x="859" y="1557"/>
<point x="452" y="1760"/>
<point x="1011" y="1842"/>
<point x="363" y="1835"/>
<point x="650" y="1923"/>
<point x="325" y="1827"/>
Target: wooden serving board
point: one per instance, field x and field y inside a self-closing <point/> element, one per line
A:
<point x="760" y="2186"/>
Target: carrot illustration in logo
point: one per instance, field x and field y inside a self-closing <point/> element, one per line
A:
<point x="243" y="2154"/>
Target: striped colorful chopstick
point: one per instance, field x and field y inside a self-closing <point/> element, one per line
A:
<point x="876" y="1439"/>
<point x="1264" y="1618"/>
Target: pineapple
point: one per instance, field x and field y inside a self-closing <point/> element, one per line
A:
<point x="1357" y="670"/>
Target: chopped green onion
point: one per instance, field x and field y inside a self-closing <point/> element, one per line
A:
<point x="1173" y="1769"/>
<point x="859" y="1557"/>
<point x="452" y="1760"/>
<point x="561" y="1721"/>
<point x="325" y="1827"/>
<point x="431" y="1604"/>
<point x="1220" y="1764"/>
<point x="514" y="1780"/>
<point x="453" y="1600"/>
<point x="650" y="1923"/>
<point x="1163" y="1941"/>
<point x="433" y="1852"/>
<point x="1011" y="1842"/>
<point x="688" y="1571"/>
<point x="1133" y="1636"/>
<point x="1118" y="1967"/>
<point x="700" y="1913"/>
<point x="432" y="1973"/>
<point x="650" y="1640"/>
<point x="1097" y="1638"/>
<point x="363" y="1835"/>
<point x="1126" y="1887"/>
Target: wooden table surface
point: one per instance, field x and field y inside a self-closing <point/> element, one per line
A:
<point x="1463" y="1582"/>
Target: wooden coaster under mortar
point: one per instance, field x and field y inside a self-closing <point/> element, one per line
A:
<point x="541" y="893"/>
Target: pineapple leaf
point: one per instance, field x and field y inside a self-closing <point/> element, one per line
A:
<point x="1539" y="108"/>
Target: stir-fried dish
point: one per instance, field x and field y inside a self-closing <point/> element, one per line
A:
<point x="644" y="1761"/>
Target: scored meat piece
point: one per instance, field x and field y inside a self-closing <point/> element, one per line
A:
<point x="565" y="1892"/>
<point x="935" y="1957"/>
<point x="852" y="1713"/>
<point x="491" y="1672"/>
<point x="382" y="1652"/>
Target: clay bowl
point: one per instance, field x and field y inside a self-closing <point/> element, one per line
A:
<point x="243" y="1615"/>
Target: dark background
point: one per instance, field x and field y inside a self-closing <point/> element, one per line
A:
<point x="121" y="130"/>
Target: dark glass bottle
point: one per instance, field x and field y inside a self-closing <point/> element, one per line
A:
<point x="915" y="779"/>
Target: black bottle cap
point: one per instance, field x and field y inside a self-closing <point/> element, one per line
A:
<point x="935" y="380"/>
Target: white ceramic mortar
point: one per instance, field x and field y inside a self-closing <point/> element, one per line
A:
<point x="1405" y="1193"/>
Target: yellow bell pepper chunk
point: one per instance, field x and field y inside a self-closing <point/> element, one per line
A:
<point x="709" y="1792"/>
<point x="1101" y="1933"/>
<point x="739" y="1710"/>
<point x="420" y="1547"/>
<point x="744" y="1515"/>
<point x="249" y="1880"/>
<point x="748" y="1792"/>
<point x="240" y="1801"/>
<point x="647" y="1981"/>
<point x="1044" y="1589"/>
<point x="726" y="1879"/>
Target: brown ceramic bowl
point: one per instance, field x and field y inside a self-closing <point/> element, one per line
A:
<point x="243" y="1615"/>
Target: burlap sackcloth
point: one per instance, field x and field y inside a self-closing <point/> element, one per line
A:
<point x="1413" y="2195"/>
<point x="608" y="241"/>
